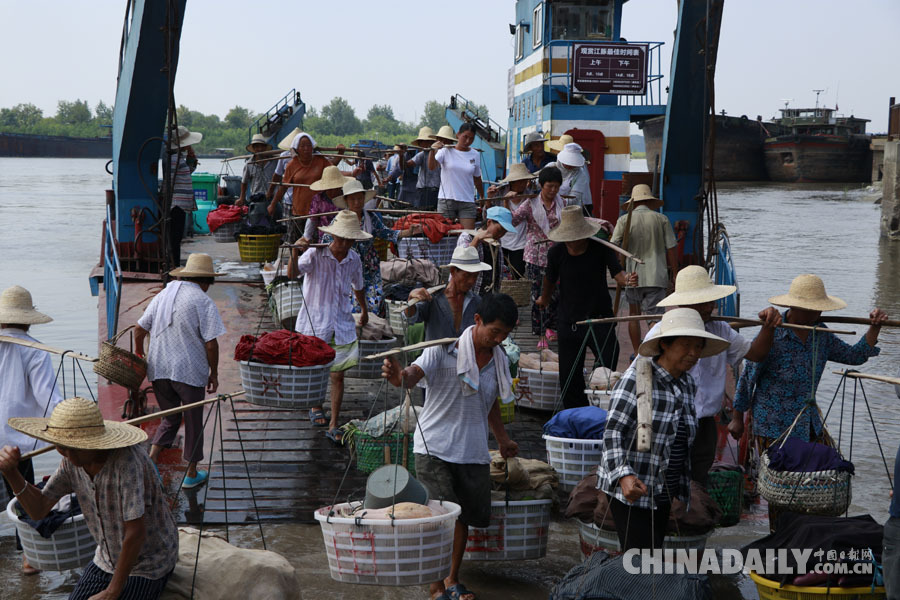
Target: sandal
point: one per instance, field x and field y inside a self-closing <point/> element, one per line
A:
<point x="317" y="417"/>
<point x="336" y="436"/>
<point x="542" y="344"/>
<point x="457" y="591"/>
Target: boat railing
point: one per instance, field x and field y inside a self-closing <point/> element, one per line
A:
<point x="112" y="276"/>
<point x="271" y="121"/>
<point x="561" y="83"/>
<point x="489" y="129"/>
<point x="721" y="267"/>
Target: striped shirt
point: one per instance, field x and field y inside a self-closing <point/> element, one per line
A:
<point x="327" y="289"/>
<point x="183" y="194"/>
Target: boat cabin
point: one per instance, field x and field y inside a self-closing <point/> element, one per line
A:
<point x="820" y="121"/>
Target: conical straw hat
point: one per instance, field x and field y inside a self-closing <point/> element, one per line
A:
<point x="518" y="172"/>
<point x="573" y="226"/>
<point x="77" y="423"/>
<point x="641" y="193"/>
<point x="445" y="133"/>
<point x="17" y="308"/>
<point x="808" y="291"/>
<point x="558" y="145"/>
<point x="351" y="186"/>
<point x="426" y="134"/>
<point x="346" y="225"/>
<point x="332" y="179"/>
<point x="692" y="286"/>
<point x="197" y="265"/>
<point x="683" y="322"/>
<point x="285" y="144"/>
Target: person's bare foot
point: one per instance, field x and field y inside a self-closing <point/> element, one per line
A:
<point x="27" y="569"/>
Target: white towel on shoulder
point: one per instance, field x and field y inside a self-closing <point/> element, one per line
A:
<point x="469" y="374"/>
<point x="166" y="314"/>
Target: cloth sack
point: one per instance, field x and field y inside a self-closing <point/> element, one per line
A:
<point x="603" y="378"/>
<point x="582" y="423"/>
<point x="225" y="571"/>
<point x="799" y="456"/>
<point x="435" y="227"/>
<point x="701" y="518"/>
<point x="410" y="272"/>
<point x="375" y="329"/>
<point x="529" y="479"/>
<point x="225" y="214"/>
<point x="533" y="360"/>
<point x="284" y="347"/>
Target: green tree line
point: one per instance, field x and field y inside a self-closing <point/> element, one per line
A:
<point x="332" y="124"/>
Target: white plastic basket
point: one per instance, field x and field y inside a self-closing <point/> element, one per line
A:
<point x="538" y="389"/>
<point x="395" y="307"/>
<point x="226" y="233"/>
<point x="572" y="459"/>
<point x="70" y="547"/>
<point x="593" y="538"/>
<point x="287" y="300"/>
<point x="598" y="398"/>
<point x="283" y="386"/>
<point x="370" y="369"/>
<point x="519" y="530"/>
<point x="419" y="246"/>
<point x="385" y="552"/>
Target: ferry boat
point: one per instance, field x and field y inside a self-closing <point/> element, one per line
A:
<point x="819" y="146"/>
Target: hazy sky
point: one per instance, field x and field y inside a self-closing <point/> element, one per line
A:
<point x="405" y="52"/>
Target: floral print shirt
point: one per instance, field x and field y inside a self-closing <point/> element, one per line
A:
<point x="535" y="252"/>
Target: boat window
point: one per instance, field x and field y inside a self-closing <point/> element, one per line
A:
<point x="537" y="25"/>
<point x="520" y="42"/>
<point x="582" y="19"/>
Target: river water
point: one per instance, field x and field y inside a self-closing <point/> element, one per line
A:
<point x="51" y="212"/>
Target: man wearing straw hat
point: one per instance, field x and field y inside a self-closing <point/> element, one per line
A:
<point x="465" y="381"/>
<point x="784" y="383"/>
<point x="429" y="180"/>
<point x="652" y="239"/>
<point x="121" y="498"/>
<point x="257" y="175"/>
<point x="183" y="358"/>
<point x="693" y="289"/>
<point x="28" y="385"/>
<point x="580" y="267"/>
<point x="182" y="162"/>
<point x="331" y="274"/>
<point x="533" y="149"/>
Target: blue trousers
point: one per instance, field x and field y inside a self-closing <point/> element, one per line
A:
<point x="890" y="558"/>
<point x="94" y="580"/>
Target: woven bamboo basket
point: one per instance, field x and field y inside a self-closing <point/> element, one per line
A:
<point x="517" y="289"/>
<point x="119" y="365"/>
<point x="817" y="493"/>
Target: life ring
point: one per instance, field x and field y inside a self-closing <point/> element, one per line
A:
<point x="106" y="167"/>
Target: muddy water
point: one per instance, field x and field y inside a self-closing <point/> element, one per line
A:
<point x="50" y="215"/>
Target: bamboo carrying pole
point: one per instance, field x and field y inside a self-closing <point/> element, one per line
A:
<point x="38" y="346"/>
<point x="431" y="290"/>
<point x="858" y="321"/>
<point x="150" y="417"/>
<point x="625" y="236"/>
<point x="403" y="349"/>
<point x="609" y="245"/>
<point x="390" y="211"/>
<point x="735" y="322"/>
<point x="881" y="378"/>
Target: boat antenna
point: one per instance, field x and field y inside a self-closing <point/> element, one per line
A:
<point x="817" y="97"/>
<point x="786" y="102"/>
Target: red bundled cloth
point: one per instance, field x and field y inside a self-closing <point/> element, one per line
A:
<point x="435" y="227"/>
<point x="225" y="214"/>
<point x="284" y="347"/>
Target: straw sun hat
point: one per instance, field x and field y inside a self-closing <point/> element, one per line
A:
<point x="518" y="172"/>
<point x="77" y="423"/>
<point x="426" y="134"/>
<point x="332" y="179"/>
<point x="573" y="226"/>
<point x="558" y="145"/>
<point x="346" y="225"/>
<point x="808" y="291"/>
<point x="683" y="322"/>
<point x="465" y="258"/>
<point x="197" y="265"/>
<point x="259" y="139"/>
<point x="642" y="193"/>
<point x="185" y="137"/>
<point x="532" y="138"/>
<point x="351" y="186"/>
<point x="285" y="143"/>
<point x="17" y="308"/>
<point x="692" y="286"/>
<point x="445" y="133"/>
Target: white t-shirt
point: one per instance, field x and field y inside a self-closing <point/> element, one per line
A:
<point x="709" y="372"/>
<point x="515" y="241"/>
<point x="458" y="170"/>
<point x="454" y="425"/>
<point x="280" y="166"/>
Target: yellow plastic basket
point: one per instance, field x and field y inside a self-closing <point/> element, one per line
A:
<point x="507" y="412"/>
<point x="772" y="590"/>
<point x="259" y="248"/>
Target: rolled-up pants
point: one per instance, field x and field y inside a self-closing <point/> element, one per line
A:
<point x="171" y="394"/>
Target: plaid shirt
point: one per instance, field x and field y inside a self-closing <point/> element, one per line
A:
<point x="671" y="398"/>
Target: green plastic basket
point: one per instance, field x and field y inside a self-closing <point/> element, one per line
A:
<point x="370" y="451"/>
<point x="727" y="489"/>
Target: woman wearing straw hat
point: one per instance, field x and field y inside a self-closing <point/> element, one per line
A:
<point x="327" y="189"/>
<point x="580" y="267"/>
<point x="281" y="165"/>
<point x="541" y="214"/>
<point x="124" y="506"/>
<point x="182" y="162"/>
<point x="429" y="180"/>
<point x="693" y="289"/>
<point x="460" y="176"/>
<point x="183" y="357"/>
<point x="651" y="427"/>
<point x="330" y="274"/>
<point x="576" y="186"/>
<point x="533" y="150"/>
<point x="518" y="179"/>
<point x="785" y="381"/>
<point x="257" y="174"/>
<point x="28" y="383"/>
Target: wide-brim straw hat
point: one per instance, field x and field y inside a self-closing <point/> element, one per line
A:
<point x="346" y="225"/>
<point x="351" y="186"/>
<point x="808" y="291"/>
<point x="77" y="423"/>
<point x="185" y="137"/>
<point x="693" y="286"/>
<point x="197" y="265"/>
<point x="285" y="143"/>
<point x="573" y="226"/>
<point x="532" y="138"/>
<point x="518" y="172"/>
<point x="445" y="133"/>
<point x="465" y="258"/>
<point x="683" y="322"/>
<point x="17" y="308"/>
<point x="426" y="134"/>
<point x="641" y="193"/>
<point x="571" y="156"/>
<point x="332" y="179"/>
<point x="559" y="144"/>
<point x="258" y="138"/>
